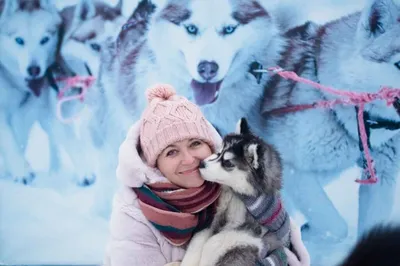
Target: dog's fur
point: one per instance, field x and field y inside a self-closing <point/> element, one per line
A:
<point x="88" y="26"/>
<point x="245" y="165"/>
<point x="29" y="37"/>
<point x="223" y="37"/>
<point x="176" y="60"/>
<point x="110" y="119"/>
<point x="359" y="52"/>
<point x="379" y="246"/>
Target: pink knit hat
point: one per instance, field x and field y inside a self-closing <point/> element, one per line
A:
<point x="170" y="118"/>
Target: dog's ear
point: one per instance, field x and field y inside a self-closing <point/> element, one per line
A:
<point x="118" y="6"/>
<point x="378" y="17"/>
<point x="85" y="10"/>
<point x="271" y="169"/>
<point x="7" y="7"/>
<point x="143" y="10"/>
<point x="252" y="155"/>
<point x="49" y="5"/>
<point x="242" y="127"/>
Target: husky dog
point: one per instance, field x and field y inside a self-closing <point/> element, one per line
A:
<point x="244" y="166"/>
<point x="106" y="107"/>
<point x="29" y="37"/>
<point x="87" y="27"/>
<point x="206" y="60"/>
<point x="201" y="48"/>
<point x="359" y="52"/>
<point x="109" y="118"/>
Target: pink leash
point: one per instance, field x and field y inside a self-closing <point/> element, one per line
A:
<point x="349" y="98"/>
<point x="84" y="82"/>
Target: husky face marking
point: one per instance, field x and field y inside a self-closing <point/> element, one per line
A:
<point x="93" y="23"/>
<point x="245" y="164"/>
<point x="29" y="34"/>
<point x="208" y="47"/>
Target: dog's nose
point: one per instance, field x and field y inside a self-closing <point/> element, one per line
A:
<point x="34" y="71"/>
<point x="202" y="165"/>
<point x="207" y="70"/>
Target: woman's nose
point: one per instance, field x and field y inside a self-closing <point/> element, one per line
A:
<point x="188" y="158"/>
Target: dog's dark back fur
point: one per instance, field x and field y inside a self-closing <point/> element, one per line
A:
<point x="239" y="256"/>
<point x="380" y="246"/>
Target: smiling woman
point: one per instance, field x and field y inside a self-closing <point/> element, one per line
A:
<point x="164" y="200"/>
<point x="170" y="199"/>
<point x="180" y="162"/>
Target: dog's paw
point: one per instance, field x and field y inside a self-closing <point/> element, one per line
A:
<point x="87" y="180"/>
<point x="25" y="180"/>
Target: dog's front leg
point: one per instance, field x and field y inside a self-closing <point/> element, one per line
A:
<point x="376" y="200"/>
<point x="195" y="248"/>
<point x="14" y="158"/>
<point x="305" y="190"/>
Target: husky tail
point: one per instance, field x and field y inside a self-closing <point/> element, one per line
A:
<point x="380" y="246"/>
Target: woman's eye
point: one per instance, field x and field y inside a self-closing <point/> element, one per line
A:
<point x="171" y="153"/>
<point x="196" y="143"/>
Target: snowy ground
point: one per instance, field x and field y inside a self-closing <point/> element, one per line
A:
<point x="51" y="222"/>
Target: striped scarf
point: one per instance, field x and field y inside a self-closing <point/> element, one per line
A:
<point x="176" y="212"/>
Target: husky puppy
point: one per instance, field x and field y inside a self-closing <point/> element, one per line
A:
<point x="245" y="166"/>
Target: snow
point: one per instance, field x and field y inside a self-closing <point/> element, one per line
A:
<point x="52" y="222"/>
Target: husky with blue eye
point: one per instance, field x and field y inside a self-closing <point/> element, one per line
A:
<point x="29" y="37"/>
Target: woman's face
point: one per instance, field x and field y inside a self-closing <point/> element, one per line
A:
<point x="179" y="162"/>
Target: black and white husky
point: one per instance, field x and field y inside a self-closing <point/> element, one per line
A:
<point x="245" y="165"/>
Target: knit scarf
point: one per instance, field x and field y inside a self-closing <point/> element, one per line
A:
<point x="177" y="212"/>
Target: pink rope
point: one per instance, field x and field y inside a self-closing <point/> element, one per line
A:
<point x="84" y="82"/>
<point x="348" y="98"/>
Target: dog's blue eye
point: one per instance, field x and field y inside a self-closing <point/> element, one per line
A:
<point x="228" y="30"/>
<point x="44" y="40"/>
<point x="20" y="41"/>
<point x="192" y="29"/>
<point x="95" y="47"/>
<point x="397" y="64"/>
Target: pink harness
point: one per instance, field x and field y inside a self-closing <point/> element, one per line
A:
<point x="84" y="82"/>
<point x="358" y="99"/>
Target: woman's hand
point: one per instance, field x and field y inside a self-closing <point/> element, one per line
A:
<point x="176" y="263"/>
<point x="303" y="257"/>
